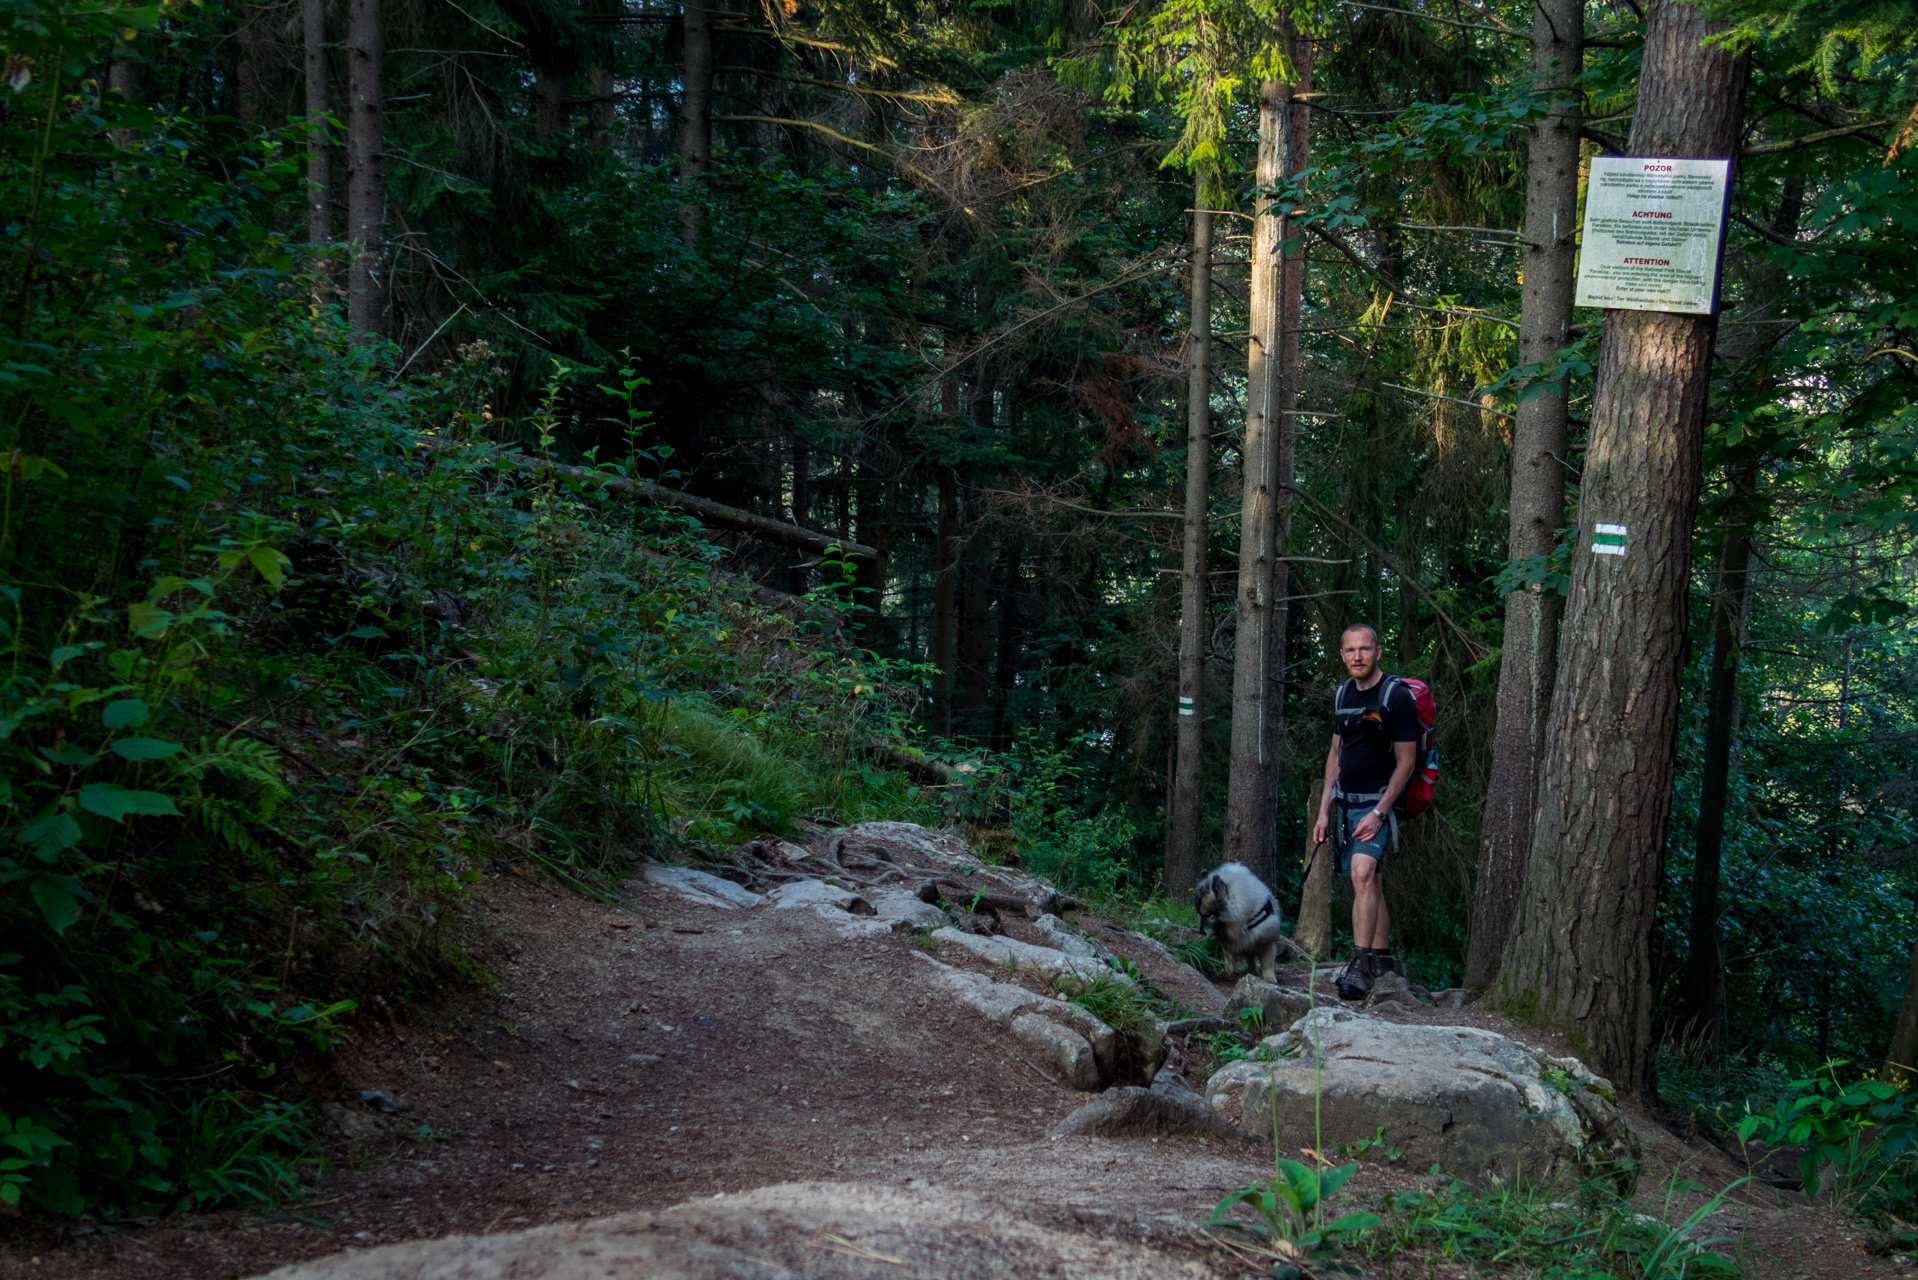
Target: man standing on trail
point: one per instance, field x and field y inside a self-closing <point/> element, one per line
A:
<point x="1374" y="752"/>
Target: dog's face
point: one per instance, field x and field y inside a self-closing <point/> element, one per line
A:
<point x="1209" y="900"/>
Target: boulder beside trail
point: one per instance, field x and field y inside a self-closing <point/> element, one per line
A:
<point x="1169" y="1108"/>
<point x="1083" y="1038"/>
<point x="1277" y="1006"/>
<point x="1471" y="1101"/>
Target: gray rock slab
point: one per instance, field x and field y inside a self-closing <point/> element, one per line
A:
<point x="1132" y="1112"/>
<point x="817" y="894"/>
<point x="1064" y="937"/>
<point x="1470" y="1100"/>
<point x="773" y="1233"/>
<point x="1047" y="961"/>
<point x="1278" y="1006"/>
<point x="903" y="912"/>
<point x="1001" y="1002"/>
<point x="702" y="887"/>
<point x="1058" y="1050"/>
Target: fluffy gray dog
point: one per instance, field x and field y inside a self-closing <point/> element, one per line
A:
<point x="1236" y="908"/>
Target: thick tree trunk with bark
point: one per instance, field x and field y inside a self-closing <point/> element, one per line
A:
<point x="1579" y="955"/>
<point x="319" y="168"/>
<point x="1547" y="254"/>
<point x="695" y="109"/>
<point x="1257" y="667"/>
<point x="1182" y="844"/>
<point x="365" y="191"/>
<point x="1701" y="1001"/>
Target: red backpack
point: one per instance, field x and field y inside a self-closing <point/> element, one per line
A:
<point x="1418" y="792"/>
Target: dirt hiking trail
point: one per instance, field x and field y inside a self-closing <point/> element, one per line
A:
<point x="852" y="1115"/>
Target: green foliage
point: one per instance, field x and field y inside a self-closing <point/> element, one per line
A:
<point x="1862" y="1135"/>
<point x="1289" y="1215"/>
<point x="1584" y="1231"/>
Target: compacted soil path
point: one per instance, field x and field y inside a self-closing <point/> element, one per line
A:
<point x="658" y="1051"/>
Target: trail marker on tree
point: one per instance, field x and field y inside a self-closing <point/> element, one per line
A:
<point x="1654" y="234"/>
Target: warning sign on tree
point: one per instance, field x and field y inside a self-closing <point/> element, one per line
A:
<point x="1653" y="228"/>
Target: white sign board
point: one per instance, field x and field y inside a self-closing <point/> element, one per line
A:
<point x="1653" y="228"/>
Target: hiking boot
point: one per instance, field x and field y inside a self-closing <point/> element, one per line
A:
<point x="1355" y="980"/>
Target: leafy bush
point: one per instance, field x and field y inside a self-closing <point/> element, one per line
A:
<point x="1862" y="1135"/>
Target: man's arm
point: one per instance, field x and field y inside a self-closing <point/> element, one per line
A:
<point x="1325" y="795"/>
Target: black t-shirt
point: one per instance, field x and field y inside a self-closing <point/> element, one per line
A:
<point x="1367" y="729"/>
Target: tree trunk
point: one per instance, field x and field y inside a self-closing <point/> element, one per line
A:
<point x="123" y="80"/>
<point x="1579" y="954"/>
<point x="1182" y="844"/>
<point x="975" y="638"/>
<point x="602" y="113"/>
<point x="1701" y="1000"/>
<point x="1283" y="423"/>
<point x="1547" y="255"/>
<point x="319" y="170"/>
<point x="365" y="192"/>
<point x="1249" y="824"/>
<point x="1006" y="665"/>
<point x="945" y="590"/>
<point x="549" y="103"/>
<point x="695" y="110"/>
<point x="1313" y="929"/>
<point x="1902" y="1060"/>
<point x="249" y="72"/>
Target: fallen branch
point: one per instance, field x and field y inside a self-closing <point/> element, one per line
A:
<point x="717" y="513"/>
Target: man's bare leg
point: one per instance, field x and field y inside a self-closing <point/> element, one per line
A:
<point x="1371" y="923"/>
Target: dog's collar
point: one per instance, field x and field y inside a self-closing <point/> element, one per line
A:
<point x="1264" y="911"/>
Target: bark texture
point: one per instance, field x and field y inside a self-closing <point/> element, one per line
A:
<point x="365" y="191"/>
<point x="1258" y="662"/>
<point x="1548" y="254"/>
<point x="1182" y="847"/>
<point x="1579" y="955"/>
<point x="319" y="168"/>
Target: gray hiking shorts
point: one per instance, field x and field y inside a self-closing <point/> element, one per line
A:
<point x="1347" y="846"/>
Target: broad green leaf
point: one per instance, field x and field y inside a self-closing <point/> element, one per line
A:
<point x="56" y="902"/>
<point x="50" y="835"/>
<point x="124" y="714"/>
<point x="110" y="800"/>
<point x="271" y="563"/>
<point x="144" y="748"/>
<point x="147" y="620"/>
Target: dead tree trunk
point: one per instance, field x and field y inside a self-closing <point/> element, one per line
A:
<point x="1701" y="1001"/>
<point x="319" y="169"/>
<point x="123" y="81"/>
<point x="1182" y="846"/>
<point x="249" y="72"/>
<point x="1547" y="254"/>
<point x="1283" y="422"/>
<point x="1248" y="802"/>
<point x="365" y="192"/>
<point x="695" y="110"/>
<point x="1579" y="954"/>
